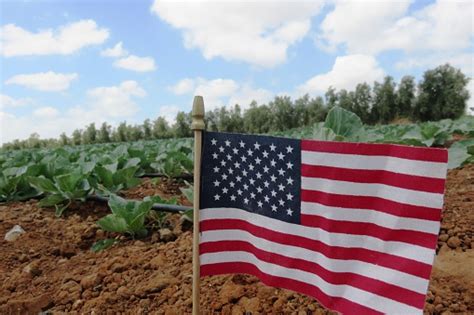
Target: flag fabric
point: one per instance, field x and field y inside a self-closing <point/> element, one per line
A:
<point x="353" y="225"/>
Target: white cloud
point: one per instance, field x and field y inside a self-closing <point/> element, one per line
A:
<point x="374" y="26"/>
<point x="110" y="104"/>
<point x="256" y="32"/>
<point x="346" y="73"/>
<point x="169" y="112"/>
<point x="463" y="61"/>
<point x="46" y="112"/>
<point x="44" y="81"/>
<point x="135" y="63"/>
<point x="65" y="40"/>
<point x="8" y="101"/>
<point x="182" y="87"/>
<point x="221" y="92"/>
<point x="116" y="51"/>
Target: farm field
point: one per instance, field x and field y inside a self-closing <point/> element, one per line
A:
<point x="51" y="267"/>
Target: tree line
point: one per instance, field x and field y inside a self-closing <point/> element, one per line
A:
<point x="441" y="93"/>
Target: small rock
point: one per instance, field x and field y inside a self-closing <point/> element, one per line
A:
<point x="23" y="258"/>
<point x="454" y="242"/>
<point x="14" y="233"/>
<point x="231" y="292"/>
<point x="123" y="292"/>
<point x="155" y="238"/>
<point x="139" y="243"/>
<point x="91" y="281"/>
<point x="78" y="304"/>
<point x="33" y="269"/>
<point x="166" y="235"/>
<point x="443" y="237"/>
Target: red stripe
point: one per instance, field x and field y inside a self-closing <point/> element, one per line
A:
<point x="338" y="278"/>
<point x="371" y="203"/>
<point x="413" y="182"/>
<point x="377" y="149"/>
<point x="402" y="264"/>
<point x="338" y="304"/>
<point x="370" y="229"/>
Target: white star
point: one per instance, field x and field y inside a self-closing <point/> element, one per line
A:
<point x="244" y="172"/>
<point x="231" y="171"/>
<point x="242" y="144"/>
<point x="265" y="169"/>
<point x="246" y="187"/>
<point x="266" y="184"/>
<point x="272" y="147"/>
<point x="251" y="167"/>
<point x="231" y="184"/>
<point x="281" y="202"/>
<point x="281" y="187"/>
<point x="289" y="165"/>
<point x="214" y="155"/>
<point x="266" y="198"/>
<point x="289" y="196"/>
<point x="265" y="154"/>
<point x="243" y="158"/>
<point x="221" y="149"/>
<point x="252" y="195"/>
<point x="252" y="181"/>
<point x="249" y="152"/>
<point x="259" y="189"/>
<point x="237" y="165"/>
<point x="258" y="175"/>
<point x="274" y="208"/>
<point x="280" y="156"/>
<point x="217" y="197"/>
<point x="246" y="200"/>
<point x="260" y="204"/>
<point x="214" y="141"/>
<point x="257" y="146"/>
<point x="235" y="150"/>
<point x="289" y="212"/>
<point x="238" y="178"/>
<point x="257" y="161"/>
<point x="273" y="178"/>
<point x="239" y="192"/>
<point x="289" y="149"/>
<point x="281" y="171"/>
<point x="216" y="183"/>
<point x="216" y="169"/>
<point x="273" y="163"/>
<point x="225" y="190"/>
<point x="289" y="181"/>
<point x="227" y="143"/>
<point x="232" y="198"/>
<point x="223" y="163"/>
<point x="229" y="157"/>
<point x="273" y="193"/>
<point x="224" y="176"/>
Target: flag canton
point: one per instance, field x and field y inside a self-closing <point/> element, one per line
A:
<point x="259" y="174"/>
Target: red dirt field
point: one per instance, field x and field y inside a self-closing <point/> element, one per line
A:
<point x="51" y="269"/>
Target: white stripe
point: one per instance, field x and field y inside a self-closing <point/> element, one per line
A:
<point x="387" y="275"/>
<point x="369" y="162"/>
<point x="401" y="195"/>
<point x="410" y="251"/>
<point x="358" y="296"/>
<point x="370" y="216"/>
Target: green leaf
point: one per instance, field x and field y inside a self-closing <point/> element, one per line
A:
<point x="68" y="182"/>
<point x="52" y="200"/>
<point x="188" y="192"/>
<point x="43" y="184"/>
<point x="113" y="223"/>
<point x="343" y="122"/>
<point x="103" y="244"/>
<point x="189" y="215"/>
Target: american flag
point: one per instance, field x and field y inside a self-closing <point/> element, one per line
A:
<point x="353" y="225"/>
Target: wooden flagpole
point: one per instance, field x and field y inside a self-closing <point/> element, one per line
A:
<point x="198" y="126"/>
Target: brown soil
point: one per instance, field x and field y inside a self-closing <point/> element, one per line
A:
<point x="50" y="267"/>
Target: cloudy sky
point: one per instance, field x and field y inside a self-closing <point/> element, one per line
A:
<point x="64" y="64"/>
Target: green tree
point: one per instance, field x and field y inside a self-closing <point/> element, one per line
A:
<point x="362" y="101"/>
<point x="182" y="127"/>
<point x="147" y="130"/>
<point x="281" y="109"/>
<point x="77" y="137"/>
<point x="316" y="110"/>
<point x="161" y="129"/>
<point x="104" y="133"/>
<point x="442" y="94"/>
<point x="406" y="96"/>
<point x="63" y="139"/>
<point x="384" y="105"/>
<point x="257" y="119"/>
<point x="345" y="99"/>
<point x="121" y="132"/>
<point x="331" y="97"/>
<point x="90" y="134"/>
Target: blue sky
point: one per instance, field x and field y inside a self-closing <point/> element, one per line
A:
<point x="65" y="64"/>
